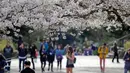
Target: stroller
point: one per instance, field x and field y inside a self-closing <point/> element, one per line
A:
<point x="5" y="64"/>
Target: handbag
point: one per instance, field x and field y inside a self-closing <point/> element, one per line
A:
<point x="74" y="59"/>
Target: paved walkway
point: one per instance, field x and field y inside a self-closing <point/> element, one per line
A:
<point x="84" y="64"/>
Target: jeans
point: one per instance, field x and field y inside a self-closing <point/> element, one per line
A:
<point x="125" y="70"/>
<point x="20" y="62"/>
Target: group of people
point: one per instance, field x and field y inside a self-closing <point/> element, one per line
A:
<point x="47" y="53"/>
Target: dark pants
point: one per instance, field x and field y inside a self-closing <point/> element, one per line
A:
<point x="43" y="67"/>
<point x="2" y="71"/>
<point x="50" y="64"/>
<point x="59" y="62"/>
<point x="43" y="61"/>
<point x="115" y="56"/>
<point x="32" y="59"/>
<point x="20" y="62"/>
<point x="8" y="64"/>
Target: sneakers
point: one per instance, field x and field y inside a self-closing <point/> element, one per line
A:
<point x="19" y="70"/>
<point x="43" y="70"/>
<point x="48" y="69"/>
<point x="51" y="70"/>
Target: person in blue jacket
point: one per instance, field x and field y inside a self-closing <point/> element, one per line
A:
<point x="59" y="56"/>
<point x="127" y="61"/>
<point x="22" y="56"/>
<point x="50" y="57"/>
<point x="8" y="50"/>
<point x="2" y="63"/>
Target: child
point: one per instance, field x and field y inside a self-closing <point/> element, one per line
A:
<point x="127" y="61"/>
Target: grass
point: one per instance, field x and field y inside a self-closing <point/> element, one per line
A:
<point x="3" y="43"/>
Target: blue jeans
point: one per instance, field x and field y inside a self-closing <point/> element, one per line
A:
<point x="125" y="70"/>
<point x="20" y="62"/>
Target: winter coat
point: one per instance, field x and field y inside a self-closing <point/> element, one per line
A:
<point x="8" y="52"/>
<point x="43" y="55"/>
<point x="127" y="62"/>
<point x="51" y="55"/>
<point x="22" y="53"/>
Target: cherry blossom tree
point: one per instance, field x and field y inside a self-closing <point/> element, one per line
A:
<point x="65" y="14"/>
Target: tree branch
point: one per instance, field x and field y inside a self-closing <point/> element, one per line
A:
<point x="119" y="19"/>
<point x="101" y="2"/>
<point x="59" y="6"/>
<point x="35" y="7"/>
<point x="80" y="16"/>
<point x="126" y="15"/>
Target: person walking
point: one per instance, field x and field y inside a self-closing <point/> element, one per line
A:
<point x="43" y="57"/>
<point x="59" y="56"/>
<point x="2" y="63"/>
<point x="33" y="51"/>
<point x="50" y="57"/>
<point x="127" y="61"/>
<point x="70" y="60"/>
<point x="103" y="51"/>
<point x="8" y="50"/>
<point x="115" y="50"/>
<point x="27" y="69"/>
<point x="22" y="56"/>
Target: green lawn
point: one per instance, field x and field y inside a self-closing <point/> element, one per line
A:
<point x="3" y="43"/>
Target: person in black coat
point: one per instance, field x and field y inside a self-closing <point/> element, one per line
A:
<point x="50" y="57"/>
<point x="27" y="68"/>
<point x="22" y="55"/>
<point x="43" y="57"/>
<point x="33" y="51"/>
<point x="115" y="50"/>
